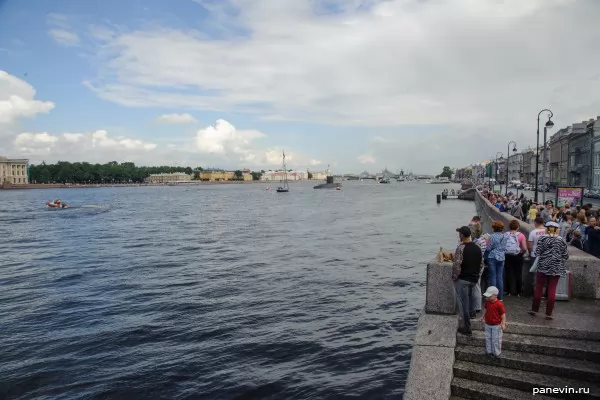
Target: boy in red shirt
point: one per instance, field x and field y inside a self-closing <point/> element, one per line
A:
<point x="494" y="318"/>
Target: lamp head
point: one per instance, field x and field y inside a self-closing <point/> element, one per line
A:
<point x="515" y="148"/>
<point x="549" y="123"/>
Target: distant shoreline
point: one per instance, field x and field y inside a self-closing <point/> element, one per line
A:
<point x="103" y="185"/>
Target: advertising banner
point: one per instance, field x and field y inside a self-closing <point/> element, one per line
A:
<point x="569" y="195"/>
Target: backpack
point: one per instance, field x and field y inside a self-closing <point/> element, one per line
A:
<point x="512" y="244"/>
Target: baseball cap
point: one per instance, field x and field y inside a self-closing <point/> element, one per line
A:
<point x="464" y="230"/>
<point x="490" y="291"/>
<point x="553" y="224"/>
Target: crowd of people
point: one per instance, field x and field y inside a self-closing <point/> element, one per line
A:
<point x="494" y="261"/>
<point x="579" y="225"/>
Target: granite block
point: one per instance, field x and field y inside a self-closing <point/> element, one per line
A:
<point x="440" y="295"/>
<point x="430" y="374"/>
<point x="436" y="330"/>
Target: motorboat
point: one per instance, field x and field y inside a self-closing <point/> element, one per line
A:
<point x="52" y="204"/>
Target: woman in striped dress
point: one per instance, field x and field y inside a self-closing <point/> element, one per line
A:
<point x="553" y="255"/>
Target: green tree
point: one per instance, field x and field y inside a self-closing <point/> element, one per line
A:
<point x="238" y="174"/>
<point x="310" y="175"/>
<point x="256" y="176"/>
<point x="83" y="172"/>
<point x="446" y="173"/>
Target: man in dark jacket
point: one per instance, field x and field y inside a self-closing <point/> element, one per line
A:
<point x="468" y="262"/>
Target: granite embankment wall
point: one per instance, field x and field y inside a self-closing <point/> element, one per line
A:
<point x="585" y="268"/>
<point x="431" y="368"/>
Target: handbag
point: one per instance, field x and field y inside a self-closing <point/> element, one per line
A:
<point x="534" y="267"/>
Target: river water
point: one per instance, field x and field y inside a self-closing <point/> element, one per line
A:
<point x="216" y="292"/>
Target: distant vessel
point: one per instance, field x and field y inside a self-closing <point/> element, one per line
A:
<point x="385" y="178"/>
<point x="329" y="184"/>
<point x="439" y="180"/>
<point x="285" y="188"/>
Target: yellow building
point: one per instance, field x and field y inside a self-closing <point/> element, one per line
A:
<point x="13" y="171"/>
<point x="217" y="175"/>
<point x="169" y="178"/>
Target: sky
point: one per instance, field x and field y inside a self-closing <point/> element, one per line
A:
<point x="355" y="84"/>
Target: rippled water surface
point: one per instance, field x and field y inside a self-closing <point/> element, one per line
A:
<point x="217" y="292"/>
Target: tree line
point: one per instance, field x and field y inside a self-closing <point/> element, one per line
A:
<point x="111" y="172"/>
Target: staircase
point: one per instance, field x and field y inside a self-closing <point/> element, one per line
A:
<point x="532" y="357"/>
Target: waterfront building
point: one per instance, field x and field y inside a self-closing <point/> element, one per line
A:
<point x="580" y="158"/>
<point x="500" y="171"/>
<point x="559" y="157"/>
<point x="515" y="165"/>
<point x="169" y="178"/>
<point x="320" y="175"/>
<point x="220" y="175"/>
<point x="14" y="171"/>
<point x="279" y="175"/>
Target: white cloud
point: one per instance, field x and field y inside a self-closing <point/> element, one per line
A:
<point x="242" y="147"/>
<point x="73" y="137"/>
<point x="95" y="146"/>
<point x="224" y="139"/>
<point x="366" y="159"/>
<point x="373" y="63"/>
<point x="17" y="99"/>
<point x="175" y="119"/>
<point x="64" y="37"/>
<point x="34" y="139"/>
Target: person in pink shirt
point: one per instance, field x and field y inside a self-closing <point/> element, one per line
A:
<point x="516" y="247"/>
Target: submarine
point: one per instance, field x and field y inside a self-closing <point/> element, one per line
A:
<point x="329" y="184"/>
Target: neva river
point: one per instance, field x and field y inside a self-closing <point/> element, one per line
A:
<point x="216" y="292"/>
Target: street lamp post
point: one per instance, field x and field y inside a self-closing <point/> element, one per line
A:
<point x="496" y="171"/>
<point x="549" y="124"/>
<point x="507" y="159"/>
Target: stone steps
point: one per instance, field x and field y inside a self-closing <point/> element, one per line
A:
<point x="515" y="379"/>
<point x="550" y="346"/>
<point x="466" y="389"/>
<point x="549" y="365"/>
<point x="532" y="357"/>
<point x="544" y="330"/>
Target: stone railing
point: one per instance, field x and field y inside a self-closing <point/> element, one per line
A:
<point x="585" y="268"/>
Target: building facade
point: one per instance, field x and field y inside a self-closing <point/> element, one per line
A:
<point x="169" y="178"/>
<point x="219" y="175"/>
<point x="528" y="171"/>
<point x="580" y="159"/>
<point x="14" y="171"/>
<point x="559" y="157"/>
<point x="515" y="166"/>
<point x="279" y="175"/>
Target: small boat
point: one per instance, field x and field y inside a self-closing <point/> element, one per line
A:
<point x="285" y="188"/>
<point x="440" y="180"/>
<point x="338" y="188"/>
<point x="52" y="204"/>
